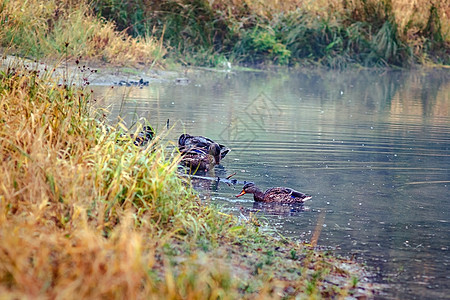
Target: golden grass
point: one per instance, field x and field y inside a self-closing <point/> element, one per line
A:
<point x="43" y="28"/>
<point x="80" y="215"/>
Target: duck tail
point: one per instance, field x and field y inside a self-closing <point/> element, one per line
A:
<point x="307" y="198"/>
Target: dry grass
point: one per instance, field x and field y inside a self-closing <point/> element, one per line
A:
<point x="411" y="16"/>
<point x="80" y="215"/>
<point x="42" y="29"/>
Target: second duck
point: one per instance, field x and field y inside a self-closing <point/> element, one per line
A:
<point x="187" y="142"/>
<point x="200" y="160"/>
<point x="274" y="195"/>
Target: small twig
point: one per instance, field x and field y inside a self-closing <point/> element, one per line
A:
<point x="318" y="229"/>
<point x="229" y="176"/>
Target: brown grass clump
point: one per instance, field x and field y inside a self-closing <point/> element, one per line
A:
<point x="81" y="216"/>
<point x="42" y="29"/>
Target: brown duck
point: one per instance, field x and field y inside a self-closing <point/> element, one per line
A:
<point x="143" y="137"/>
<point x="199" y="160"/>
<point x="140" y="139"/>
<point x="187" y="142"/>
<point x="274" y="195"/>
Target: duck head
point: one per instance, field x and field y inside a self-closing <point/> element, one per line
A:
<point x="149" y="133"/>
<point x="182" y="139"/>
<point x="249" y="188"/>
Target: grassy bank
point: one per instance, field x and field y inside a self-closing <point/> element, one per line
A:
<point x="334" y="34"/>
<point x="84" y="216"/>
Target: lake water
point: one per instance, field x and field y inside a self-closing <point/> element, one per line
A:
<point x="372" y="148"/>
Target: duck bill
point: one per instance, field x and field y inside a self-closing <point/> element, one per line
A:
<point x="242" y="193"/>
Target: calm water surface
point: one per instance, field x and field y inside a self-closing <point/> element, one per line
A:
<point x="373" y="149"/>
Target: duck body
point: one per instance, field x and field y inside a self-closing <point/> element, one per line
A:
<point x="197" y="159"/>
<point x="274" y="195"/>
<point x="187" y="142"/>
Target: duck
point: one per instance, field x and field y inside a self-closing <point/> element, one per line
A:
<point x="199" y="160"/>
<point x="144" y="136"/>
<point x="274" y="195"/>
<point x="187" y="141"/>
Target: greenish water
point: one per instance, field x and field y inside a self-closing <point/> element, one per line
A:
<point x="372" y="148"/>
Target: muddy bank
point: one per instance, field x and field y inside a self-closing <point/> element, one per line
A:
<point x="90" y="73"/>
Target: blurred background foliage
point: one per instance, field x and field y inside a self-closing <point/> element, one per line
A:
<point x="328" y="33"/>
<point x="333" y="34"/>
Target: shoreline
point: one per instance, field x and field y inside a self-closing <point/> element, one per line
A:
<point x="253" y="260"/>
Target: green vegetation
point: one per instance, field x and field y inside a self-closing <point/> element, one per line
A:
<point x="82" y="215"/>
<point x="334" y="34"/>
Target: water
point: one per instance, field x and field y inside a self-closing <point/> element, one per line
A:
<point x="372" y="148"/>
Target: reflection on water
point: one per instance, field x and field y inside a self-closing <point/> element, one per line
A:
<point x="371" y="148"/>
<point x="277" y="209"/>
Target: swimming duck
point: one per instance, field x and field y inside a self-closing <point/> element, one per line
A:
<point x="187" y="141"/>
<point x="143" y="137"/>
<point x="274" y="195"/>
<point x="199" y="159"/>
